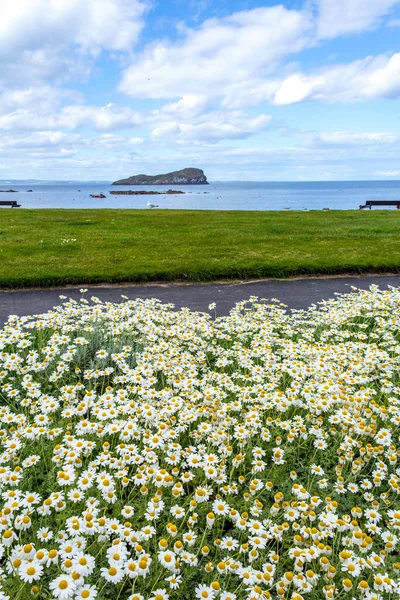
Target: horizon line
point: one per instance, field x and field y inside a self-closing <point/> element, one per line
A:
<point x="109" y="182"/>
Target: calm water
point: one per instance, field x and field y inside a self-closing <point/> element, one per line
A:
<point x="216" y="196"/>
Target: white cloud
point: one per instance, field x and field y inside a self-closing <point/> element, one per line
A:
<point x="220" y="55"/>
<point x="296" y="88"/>
<point x="25" y="119"/>
<point x="59" y="143"/>
<point x="92" y="25"/>
<point x="208" y="126"/>
<point x="189" y="106"/>
<point x="369" y="78"/>
<point x="112" y="142"/>
<point x="43" y="98"/>
<point x="366" y="79"/>
<point x="225" y="127"/>
<point x="392" y="173"/>
<point x="100" y="118"/>
<point x="190" y="119"/>
<point x="343" y="17"/>
<point x="348" y="139"/>
<point x="39" y="145"/>
<point x="50" y="38"/>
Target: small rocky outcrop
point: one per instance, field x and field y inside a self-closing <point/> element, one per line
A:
<point x="188" y="176"/>
<point x="144" y="192"/>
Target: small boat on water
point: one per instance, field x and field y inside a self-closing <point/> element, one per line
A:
<point x="98" y="196"/>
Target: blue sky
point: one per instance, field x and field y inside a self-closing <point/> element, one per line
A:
<point x="251" y="90"/>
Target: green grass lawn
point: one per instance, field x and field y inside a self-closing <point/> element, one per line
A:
<point x="52" y="247"/>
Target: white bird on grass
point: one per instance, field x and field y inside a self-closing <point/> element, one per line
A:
<point x="150" y="205"/>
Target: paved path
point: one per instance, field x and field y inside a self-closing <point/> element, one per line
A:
<point x="296" y="293"/>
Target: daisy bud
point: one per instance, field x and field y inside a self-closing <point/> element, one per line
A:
<point x="221" y="566"/>
<point x="210" y="519"/>
<point x="347" y="584"/>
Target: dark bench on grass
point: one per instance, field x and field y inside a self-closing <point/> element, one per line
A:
<point x="12" y="203"/>
<point x="370" y="203"/>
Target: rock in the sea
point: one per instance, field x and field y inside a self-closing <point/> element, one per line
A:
<point x="188" y="176"/>
<point x="144" y="192"/>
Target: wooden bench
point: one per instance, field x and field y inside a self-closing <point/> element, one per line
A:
<point x="370" y="203"/>
<point x="12" y="203"/>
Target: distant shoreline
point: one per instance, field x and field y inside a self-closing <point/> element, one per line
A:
<point x="215" y="181"/>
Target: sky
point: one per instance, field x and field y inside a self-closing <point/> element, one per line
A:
<point x="245" y="90"/>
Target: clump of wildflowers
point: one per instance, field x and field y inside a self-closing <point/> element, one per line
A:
<point x="153" y="454"/>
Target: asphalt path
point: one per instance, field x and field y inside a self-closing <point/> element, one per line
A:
<point x="295" y="293"/>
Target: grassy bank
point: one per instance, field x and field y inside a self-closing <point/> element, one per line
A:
<point x="54" y="247"/>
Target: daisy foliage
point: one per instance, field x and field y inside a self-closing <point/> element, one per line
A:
<point x="148" y="453"/>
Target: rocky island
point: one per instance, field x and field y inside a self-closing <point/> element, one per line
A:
<point x="188" y="176"/>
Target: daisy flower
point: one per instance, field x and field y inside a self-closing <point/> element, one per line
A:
<point x="63" y="587"/>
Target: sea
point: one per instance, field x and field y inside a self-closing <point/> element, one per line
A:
<point x="234" y="195"/>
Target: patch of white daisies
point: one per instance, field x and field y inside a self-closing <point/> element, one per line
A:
<point x="153" y="454"/>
